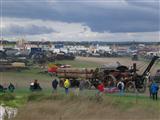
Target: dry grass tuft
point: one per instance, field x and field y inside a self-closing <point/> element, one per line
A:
<point x="62" y="107"/>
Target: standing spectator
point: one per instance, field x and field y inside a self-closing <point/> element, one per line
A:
<point x="66" y="86"/>
<point x="81" y="85"/>
<point x="120" y="86"/>
<point x="154" y="90"/>
<point x="61" y="82"/>
<point x="149" y="86"/>
<point x="77" y="85"/>
<point x="11" y="87"/>
<point x="54" y="85"/>
<point x="100" y="88"/>
<point x="73" y="85"/>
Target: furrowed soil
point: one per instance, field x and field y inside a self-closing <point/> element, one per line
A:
<point x="141" y="65"/>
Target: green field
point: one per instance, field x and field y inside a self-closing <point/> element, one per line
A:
<point x="79" y="64"/>
<point x="123" y="107"/>
<point x="24" y="77"/>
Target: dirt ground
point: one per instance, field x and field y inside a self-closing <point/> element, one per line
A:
<point x="141" y="66"/>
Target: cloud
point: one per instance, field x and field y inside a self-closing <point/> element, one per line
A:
<point x="36" y="29"/>
<point x="150" y="4"/>
<point x="27" y="30"/>
<point x="22" y="26"/>
<point x="100" y="16"/>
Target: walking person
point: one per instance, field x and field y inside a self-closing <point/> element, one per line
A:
<point x="121" y="86"/>
<point x="66" y="86"/>
<point x="54" y="85"/>
<point x="154" y="90"/>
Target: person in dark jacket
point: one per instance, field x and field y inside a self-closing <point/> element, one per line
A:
<point x="11" y="87"/>
<point x="149" y="86"/>
<point x="77" y="85"/>
<point x="35" y="86"/>
<point x="54" y="84"/>
<point x="154" y="90"/>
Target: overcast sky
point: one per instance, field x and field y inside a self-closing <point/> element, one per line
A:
<point x="80" y="20"/>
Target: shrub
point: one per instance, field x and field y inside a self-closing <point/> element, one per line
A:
<point x="7" y="97"/>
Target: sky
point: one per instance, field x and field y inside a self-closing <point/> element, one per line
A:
<point x="81" y="20"/>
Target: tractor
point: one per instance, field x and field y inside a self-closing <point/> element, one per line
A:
<point x="111" y="75"/>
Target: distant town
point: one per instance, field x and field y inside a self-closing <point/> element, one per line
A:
<point x="94" y="49"/>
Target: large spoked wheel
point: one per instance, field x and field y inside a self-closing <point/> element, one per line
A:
<point x="141" y="89"/>
<point x="87" y="85"/>
<point x="110" y="81"/>
<point x="130" y="87"/>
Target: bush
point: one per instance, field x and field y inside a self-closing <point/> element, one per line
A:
<point x="7" y="97"/>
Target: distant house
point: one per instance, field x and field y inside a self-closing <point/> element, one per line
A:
<point x="122" y="51"/>
<point x="157" y="53"/>
<point x="105" y="48"/>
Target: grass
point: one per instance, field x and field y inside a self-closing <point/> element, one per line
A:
<point x="12" y="100"/>
<point x="60" y="106"/>
<point x="78" y="63"/>
<point x="23" y="78"/>
<point x="45" y="105"/>
<point x="24" y="92"/>
<point x="86" y="106"/>
<point x="33" y="73"/>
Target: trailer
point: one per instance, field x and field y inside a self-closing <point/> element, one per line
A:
<point x="8" y="65"/>
<point x="85" y="73"/>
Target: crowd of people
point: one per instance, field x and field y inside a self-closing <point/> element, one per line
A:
<point x="10" y="88"/>
<point x="75" y="86"/>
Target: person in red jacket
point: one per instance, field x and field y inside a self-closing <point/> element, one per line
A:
<point x="101" y="88"/>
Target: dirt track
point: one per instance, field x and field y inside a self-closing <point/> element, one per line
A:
<point x="124" y="61"/>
